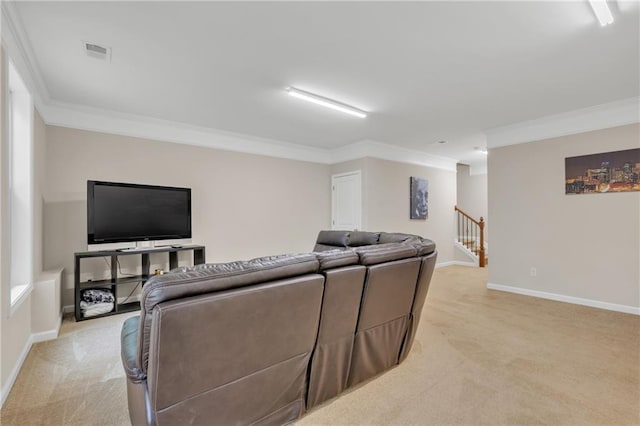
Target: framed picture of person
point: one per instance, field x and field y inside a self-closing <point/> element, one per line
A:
<point x="419" y="196"/>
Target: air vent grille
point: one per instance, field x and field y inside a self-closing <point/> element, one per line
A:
<point x="97" y="51"/>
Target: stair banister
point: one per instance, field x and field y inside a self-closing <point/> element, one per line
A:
<point x="477" y="227"/>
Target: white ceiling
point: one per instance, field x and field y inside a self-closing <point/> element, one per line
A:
<point x="426" y="71"/>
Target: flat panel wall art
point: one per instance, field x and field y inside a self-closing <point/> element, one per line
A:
<point x="615" y="171"/>
<point x="419" y="197"/>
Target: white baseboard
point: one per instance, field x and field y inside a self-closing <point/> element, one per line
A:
<point x="16" y="369"/>
<point x="48" y="335"/>
<point x="455" y="262"/>
<point x="68" y="309"/>
<point x="567" y="299"/>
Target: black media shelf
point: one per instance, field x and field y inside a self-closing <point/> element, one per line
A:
<point x="113" y="283"/>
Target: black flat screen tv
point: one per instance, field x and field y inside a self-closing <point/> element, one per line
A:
<point x="126" y="212"/>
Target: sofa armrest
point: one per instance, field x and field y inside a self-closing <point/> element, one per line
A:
<point x="129" y="350"/>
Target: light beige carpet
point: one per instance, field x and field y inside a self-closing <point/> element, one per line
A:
<point x="480" y="357"/>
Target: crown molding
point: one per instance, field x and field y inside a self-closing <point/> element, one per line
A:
<point x="612" y="114"/>
<point x="476" y="169"/>
<point x="19" y="50"/>
<point x="375" y="149"/>
<point x="93" y="119"/>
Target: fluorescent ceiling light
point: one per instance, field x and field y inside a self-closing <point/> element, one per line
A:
<point x="325" y="102"/>
<point x="601" y="9"/>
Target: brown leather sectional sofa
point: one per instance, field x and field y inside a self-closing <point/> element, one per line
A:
<point x="262" y="341"/>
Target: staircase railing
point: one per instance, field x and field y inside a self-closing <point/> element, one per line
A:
<point x="471" y="234"/>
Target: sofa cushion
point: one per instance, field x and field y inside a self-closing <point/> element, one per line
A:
<point x="206" y="278"/>
<point x="333" y="238"/>
<point x="323" y="247"/>
<point x="361" y="238"/>
<point x="395" y="237"/>
<point x="424" y="246"/>
<point x="371" y="255"/>
<point x="336" y="258"/>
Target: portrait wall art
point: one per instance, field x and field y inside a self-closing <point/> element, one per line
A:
<point x="615" y="171"/>
<point x="419" y="198"/>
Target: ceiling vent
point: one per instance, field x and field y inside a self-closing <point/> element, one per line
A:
<point x="97" y="51"/>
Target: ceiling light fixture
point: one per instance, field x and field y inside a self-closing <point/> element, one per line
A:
<point x="325" y="102"/>
<point x="601" y="9"/>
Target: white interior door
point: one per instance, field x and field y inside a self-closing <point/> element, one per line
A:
<point x="346" y="201"/>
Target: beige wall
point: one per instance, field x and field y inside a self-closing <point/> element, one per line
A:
<point x="15" y="329"/>
<point x="385" y="198"/>
<point x="472" y="195"/>
<point x="583" y="246"/>
<point x="244" y="205"/>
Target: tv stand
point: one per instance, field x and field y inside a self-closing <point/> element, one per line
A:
<point x="113" y="283"/>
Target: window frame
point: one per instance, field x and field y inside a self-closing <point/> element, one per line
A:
<point x="19" y="96"/>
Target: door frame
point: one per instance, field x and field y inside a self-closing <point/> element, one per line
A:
<point x="358" y="175"/>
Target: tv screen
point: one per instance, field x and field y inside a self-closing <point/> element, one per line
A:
<point x="124" y="212"/>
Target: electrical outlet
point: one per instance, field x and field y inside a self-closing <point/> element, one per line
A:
<point x="533" y="272"/>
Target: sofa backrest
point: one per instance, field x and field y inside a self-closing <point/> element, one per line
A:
<point x="342" y="240"/>
<point x="201" y="371"/>
<point x="329" y="370"/>
<point x="329" y="240"/>
<point x="385" y="310"/>
<point x="427" y="265"/>
<point x="337" y="258"/>
<point x="211" y="278"/>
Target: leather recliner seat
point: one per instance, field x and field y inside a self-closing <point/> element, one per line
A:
<point x="261" y="341"/>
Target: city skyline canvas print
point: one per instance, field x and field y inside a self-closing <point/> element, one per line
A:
<point x="615" y="171"/>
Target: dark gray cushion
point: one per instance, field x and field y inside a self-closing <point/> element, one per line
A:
<point x="394" y="237"/>
<point x="324" y="247"/>
<point x="424" y="246"/>
<point x="360" y="238"/>
<point x="333" y="238"/>
<point x="337" y="257"/>
<point x="372" y="255"/>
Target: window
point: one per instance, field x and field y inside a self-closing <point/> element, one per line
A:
<point x="20" y="184"/>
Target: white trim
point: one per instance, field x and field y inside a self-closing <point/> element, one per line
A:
<point x="567" y="299"/>
<point x="613" y="114"/>
<point x="22" y="293"/>
<point x="93" y="119"/>
<point x="18" y="48"/>
<point x="369" y="148"/>
<point x="68" y="309"/>
<point x="477" y="169"/>
<point x="456" y="263"/>
<point x="48" y="335"/>
<point x="465" y="250"/>
<point x="357" y="174"/>
<point x="33" y="338"/>
<point x="98" y="120"/>
<point x="6" y="389"/>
